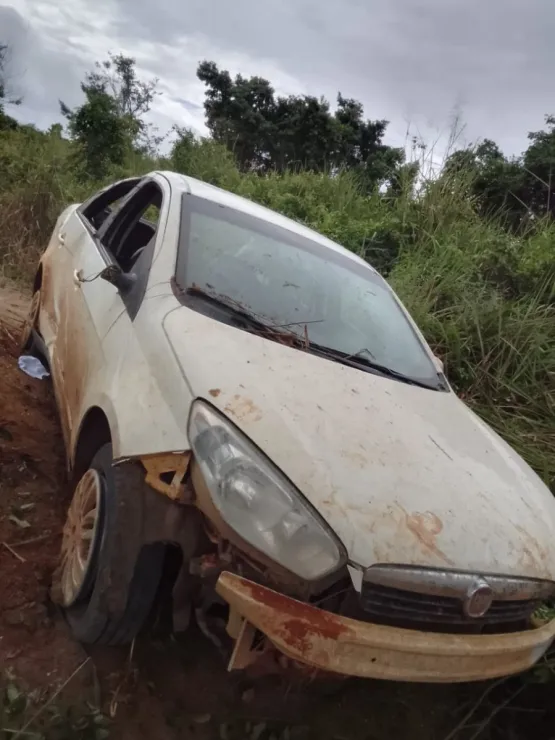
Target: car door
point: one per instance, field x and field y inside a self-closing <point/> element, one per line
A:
<point x="56" y="285"/>
<point x="108" y="237"/>
<point x="64" y="325"/>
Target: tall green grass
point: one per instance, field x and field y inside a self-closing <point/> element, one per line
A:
<point x="484" y="298"/>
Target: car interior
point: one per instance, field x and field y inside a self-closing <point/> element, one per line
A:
<point x="135" y="243"/>
<point x="127" y="237"/>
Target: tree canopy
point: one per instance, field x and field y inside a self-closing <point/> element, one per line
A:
<point x="268" y="132"/>
<point x="515" y="188"/>
<point x="6" y="97"/>
<point x="111" y="120"/>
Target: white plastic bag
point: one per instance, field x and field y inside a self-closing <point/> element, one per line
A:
<point x="33" y="367"/>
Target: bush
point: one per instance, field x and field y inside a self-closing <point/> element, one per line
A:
<point x="36" y="181"/>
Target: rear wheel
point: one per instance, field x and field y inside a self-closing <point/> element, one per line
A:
<point x="26" y="337"/>
<point x="107" y="580"/>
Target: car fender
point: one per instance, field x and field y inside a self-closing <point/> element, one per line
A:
<point x="146" y="409"/>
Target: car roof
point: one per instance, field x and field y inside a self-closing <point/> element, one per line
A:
<point x="230" y="200"/>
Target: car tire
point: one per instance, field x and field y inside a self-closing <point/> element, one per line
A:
<point x="26" y="336"/>
<point x="122" y="575"/>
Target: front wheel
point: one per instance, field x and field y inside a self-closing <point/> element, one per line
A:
<point x="107" y="579"/>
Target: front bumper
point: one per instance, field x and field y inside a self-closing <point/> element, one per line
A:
<point x="345" y="646"/>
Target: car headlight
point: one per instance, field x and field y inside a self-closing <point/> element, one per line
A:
<point x="257" y="501"/>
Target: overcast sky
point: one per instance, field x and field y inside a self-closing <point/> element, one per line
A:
<point x="409" y="61"/>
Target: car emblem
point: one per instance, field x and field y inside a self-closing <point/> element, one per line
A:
<point x="478" y="599"/>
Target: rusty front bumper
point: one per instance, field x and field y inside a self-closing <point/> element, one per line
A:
<point x="333" y="643"/>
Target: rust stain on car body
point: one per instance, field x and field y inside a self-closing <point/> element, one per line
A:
<point x="358" y="457"/>
<point x="299" y="622"/>
<point x="69" y="366"/>
<point x="243" y="409"/>
<point x="532" y="554"/>
<point x="214" y="392"/>
<point x="327" y="641"/>
<point x="425" y="526"/>
<point x="302" y="627"/>
<point x="73" y="355"/>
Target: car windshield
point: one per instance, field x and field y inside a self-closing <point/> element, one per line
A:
<point x="291" y="281"/>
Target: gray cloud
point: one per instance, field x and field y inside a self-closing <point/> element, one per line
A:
<point x="406" y="60"/>
<point x="40" y="75"/>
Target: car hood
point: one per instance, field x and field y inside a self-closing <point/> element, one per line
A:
<point x="402" y="474"/>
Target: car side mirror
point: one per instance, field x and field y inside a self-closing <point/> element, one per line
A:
<point x="121" y="280"/>
<point x="438" y="362"/>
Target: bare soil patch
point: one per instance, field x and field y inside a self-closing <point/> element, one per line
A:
<point x="32" y="499"/>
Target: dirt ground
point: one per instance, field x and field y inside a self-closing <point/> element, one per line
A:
<point x="165" y="689"/>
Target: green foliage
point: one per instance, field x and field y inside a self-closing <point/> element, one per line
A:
<point x="117" y="76"/>
<point x="37" y="180"/>
<point x="109" y="125"/>
<point x="132" y="96"/>
<point x="539" y="166"/>
<point x="30" y="715"/>
<point x="5" y="94"/>
<point x="3" y="54"/>
<point x="7" y="123"/>
<point x="268" y="133"/>
<point x="518" y="190"/>
<point x="101" y="134"/>
<point x="204" y="159"/>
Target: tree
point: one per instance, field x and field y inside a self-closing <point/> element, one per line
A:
<point x="6" y="97"/>
<point x="497" y="183"/>
<point x="102" y="136"/>
<point x="303" y="135"/>
<point x="361" y="144"/>
<point x="403" y="180"/>
<point x="539" y="170"/>
<point x="239" y="114"/>
<point x="110" y="122"/>
<point x="117" y="76"/>
<point x="518" y="188"/>
<point x="133" y="97"/>
<point x="267" y="133"/>
<point x="204" y="159"/>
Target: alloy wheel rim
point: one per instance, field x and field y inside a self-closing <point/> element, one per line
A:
<point x="80" y="535"/>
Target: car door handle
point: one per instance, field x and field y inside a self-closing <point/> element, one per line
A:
<point x="62" y="238"/>
<point x="77" y="277"/>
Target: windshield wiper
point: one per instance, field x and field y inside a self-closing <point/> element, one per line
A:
<point x="248" y="319"/>
<point x="281" y="333"/>
<point x="356" y="360"/>
<point x="230" y="308"/>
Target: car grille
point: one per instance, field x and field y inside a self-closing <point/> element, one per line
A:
<point x="414" y="610"/>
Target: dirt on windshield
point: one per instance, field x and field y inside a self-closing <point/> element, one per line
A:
<point x="167" y="689"/>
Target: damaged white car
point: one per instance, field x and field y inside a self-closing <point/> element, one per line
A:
<point x="237" y="388"/>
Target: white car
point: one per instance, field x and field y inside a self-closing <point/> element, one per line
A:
<point x="236" y="388"/>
